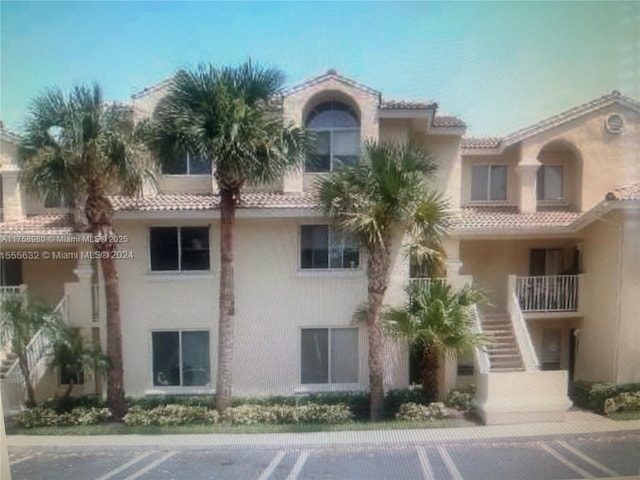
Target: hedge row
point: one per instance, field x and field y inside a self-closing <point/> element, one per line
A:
<point x="356" y="402"/>
<point x="594" y="395"/>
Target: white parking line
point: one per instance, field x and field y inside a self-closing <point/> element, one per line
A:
<point x="151" y="466"/>
<point x="427" y="472"/>
<point x="448" y="462"/>
<point x="588" y="459"/>
<point x="134" y="460"/>
<point x="566" y="461"/>
<point x="272" y="466"/>
<point x="297" y="467"/>
<point x="23" y="459"/>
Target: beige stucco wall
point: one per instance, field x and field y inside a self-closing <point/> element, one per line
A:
<point x="491" y="261"/>
<point x="274" y="300"/>
<point x="609" y="160"/>
<point x="599" y="290"/>
<point x="628" y="349"/>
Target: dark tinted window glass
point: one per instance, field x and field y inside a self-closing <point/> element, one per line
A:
<point x="199" y="165"/>
<point x="195" y="358"/>
<point x="315" y="355"/>
<point x="314" y="241"/>
<point x="10" y="272"/>
<point x="166" y="358"/>
<point x="176" y="165"/>
<point x="164" y="248"/>
<point x="195" y="248"/>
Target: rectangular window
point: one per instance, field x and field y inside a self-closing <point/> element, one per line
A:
<point x="179" y="248"/>
<point x="187" y="164"/>
<point x="549" y="184"/>
<point x="329" y="355"/>
<point x="488" y="183"/>
<point x="322" y="248"/>
<point x="181" y="358"/>
<point x="333" y="149"/>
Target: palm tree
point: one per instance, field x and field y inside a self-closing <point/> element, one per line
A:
<point x="436" y="319"/>
<point x="21" y="320"/>
<point x="222" y="115"/>
<point x="74" y="357"/>
<point x="79" y="146"/>
<point x="385" y="196"/>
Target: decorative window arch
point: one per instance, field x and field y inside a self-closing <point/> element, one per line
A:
<point x="336" y="128"/>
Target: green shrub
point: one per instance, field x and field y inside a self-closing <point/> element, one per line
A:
<point x="357" y="402"/>
<point x="64" y="405"/>
<point x="155" y="401"/>
<point x="47" y="417"/>
<point x="461" y="399"/>
<point x="170" y="415"/>
<point x="414" y="411"/>
<point x="285" y="414"/>
<point x="624" y="402"/>
<point x="593" y="395"/>
<point x="396" y="398"/>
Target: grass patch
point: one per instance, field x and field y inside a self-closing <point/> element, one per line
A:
<point x="625" y="416"/>
<point x="121" y="429"/>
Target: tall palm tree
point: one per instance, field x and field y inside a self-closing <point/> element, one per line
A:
<point x="381" y="199"/>
<point x="82" y="147"/>
<point x="222" y="115"/>
<point x="436" y="319"/>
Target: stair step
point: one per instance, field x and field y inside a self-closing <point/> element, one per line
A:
<point x="507" y="369"/>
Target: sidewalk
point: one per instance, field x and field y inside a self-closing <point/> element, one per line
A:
<point x="577" y="422"/>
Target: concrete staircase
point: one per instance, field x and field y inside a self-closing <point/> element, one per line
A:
<point x="7" y="359"/>
<point x="504" y="355"/>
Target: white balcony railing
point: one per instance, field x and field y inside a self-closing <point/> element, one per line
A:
<point x="548" y="293"/>
<point x="12" y="290"/>
<point x="426" y="282"/>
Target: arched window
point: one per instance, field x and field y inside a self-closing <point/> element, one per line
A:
<point x="337" y="137"/>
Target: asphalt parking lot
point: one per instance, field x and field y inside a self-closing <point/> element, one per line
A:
<point x="594" y="455"/>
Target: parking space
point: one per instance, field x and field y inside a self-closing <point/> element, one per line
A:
<point x="563" y="457"/>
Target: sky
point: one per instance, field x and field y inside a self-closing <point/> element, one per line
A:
<point x="499" y="66"/>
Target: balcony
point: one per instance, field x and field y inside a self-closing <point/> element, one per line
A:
<point x="548" y="293"/>
<point x="12" y="290"/>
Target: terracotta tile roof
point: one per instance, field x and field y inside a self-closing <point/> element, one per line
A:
<point x="330" y="74"/>
<point x="164" y="202"/>
<point x="45" y="224"/>
<point x="508" y="218"/>
<point x="448" y="121"/>
<point x="481" y="142"/>
<point x="626" y="193"/>
<point x="207" y="201"/>
<point x="406" y="105"/>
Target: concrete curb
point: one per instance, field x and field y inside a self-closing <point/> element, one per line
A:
<point x="576" y="423"/>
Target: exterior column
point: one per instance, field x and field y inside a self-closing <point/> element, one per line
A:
<point x="528" y="173"/>
<point x="13" y="203"/>
<point x="453" y="264"/>
<point x="79" y="294"/>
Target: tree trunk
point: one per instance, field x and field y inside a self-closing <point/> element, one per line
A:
<point x="115" y="375"/>
<point x="378" y="280"/>
<point x="224" y="377"/>
<point x="99" y="212"/>
<point x="24" y="368"/>
<point x="430" y="367"/>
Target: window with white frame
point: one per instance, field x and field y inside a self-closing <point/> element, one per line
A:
<point x="181" y="358"/>
<point x="329" y="355"/>
<point x="549" y="184"/>
<point x="488" y="183"/>
<point x="322" y="247"/>
<point x="336" y="129"/>
<point x="186" y="164"/>
<point x="179" y="248"/>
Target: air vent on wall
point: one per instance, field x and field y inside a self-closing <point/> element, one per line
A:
<point x="614" y="123"/>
